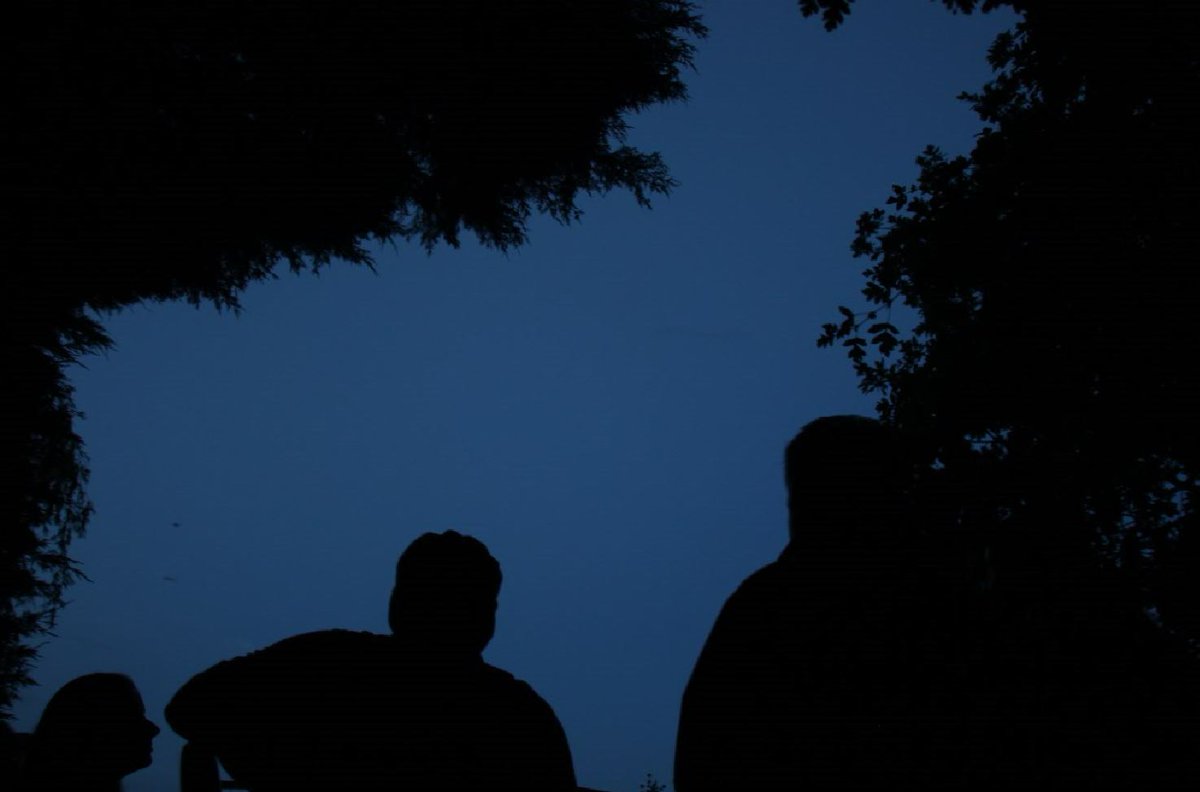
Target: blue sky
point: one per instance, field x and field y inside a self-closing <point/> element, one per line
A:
<point x="606" y="407"/>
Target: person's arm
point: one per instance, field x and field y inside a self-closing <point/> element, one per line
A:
<point x="244" y="709"/>
<point x="199" y="711"/>
<point x="198" y="770"/>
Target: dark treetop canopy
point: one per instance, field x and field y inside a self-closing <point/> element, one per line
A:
<point x="163" y="150"/>
<point x="1052" y="272"/>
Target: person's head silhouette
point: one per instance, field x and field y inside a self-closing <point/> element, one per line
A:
<point x="846" y="479"/>
<point x="444" y="599"/>
<point x="93" y="732"/>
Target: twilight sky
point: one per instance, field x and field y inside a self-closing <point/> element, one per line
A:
<point x="605" y="408"/>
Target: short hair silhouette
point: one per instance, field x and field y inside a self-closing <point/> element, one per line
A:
<point x="863" y="658"/>
<point x="445" y="595"/>
<point x="787" y="690"/>
<point x="843" y="471"/>
<point x="92" y="733"/>
<point x="418" y="709"/>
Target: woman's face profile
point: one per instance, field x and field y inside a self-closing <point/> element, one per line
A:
<point x="132" y="734"/>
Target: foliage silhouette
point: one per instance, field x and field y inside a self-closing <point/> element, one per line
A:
<point x="183" y="151"/>
<point x="1052" y="276"/>
<point x="834" y="12"/>
<point x="651" y="784"/>
<point x="418" y="709"/>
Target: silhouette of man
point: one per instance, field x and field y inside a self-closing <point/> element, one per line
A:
<point x="859" y="660"/>
<point x="801" y="683"/>
<point x="419" y="709"/>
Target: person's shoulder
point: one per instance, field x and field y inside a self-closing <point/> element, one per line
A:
<point x="511" y="687"/>
<point x="763" y="584"/>
<point x="492" y="675"/>
<point x="331" y="660"/>
<point x="766" y="607"/>
<point x="293" y="655"/>
<point x="331" y="636"/>
<point x="328" y="654"/>
<point x="769" y="575"/>
<point x="333" y="639"/>
<point x="527" y="715"/>
<point x="528" y="734"/>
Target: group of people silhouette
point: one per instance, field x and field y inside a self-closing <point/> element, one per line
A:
<point x="844" y="664"/>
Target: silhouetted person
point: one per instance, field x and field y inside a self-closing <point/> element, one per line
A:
<point x="419" y="709"/>
<point x="864" y="658"/>
<point x="802" y="681"/>
<point x="93" y="733"/>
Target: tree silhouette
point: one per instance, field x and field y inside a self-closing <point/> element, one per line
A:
<point x="182" y="151"/>
<point x="1051" y="273"/>
<point x="1029" y="311"/>
<point x="834" y="12"/>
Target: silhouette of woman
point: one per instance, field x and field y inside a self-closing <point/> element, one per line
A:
<point x="93" y="733"/>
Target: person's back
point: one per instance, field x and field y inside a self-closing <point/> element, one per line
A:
<point x="862" y="660"/>
<point x="798" y="686"/>
<point x="417" y="709"/>
<point x="812" y="674"/>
